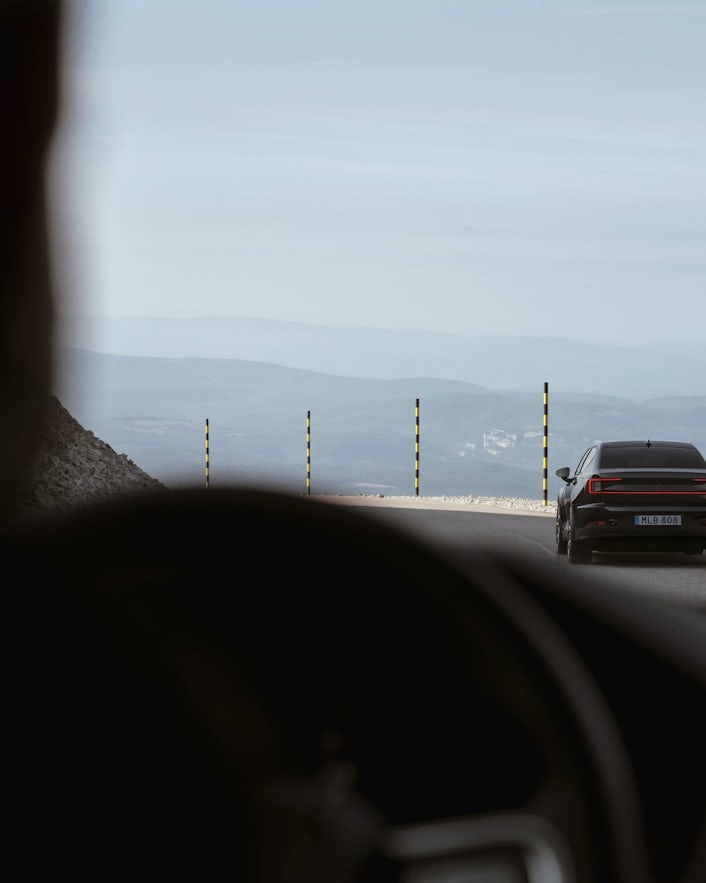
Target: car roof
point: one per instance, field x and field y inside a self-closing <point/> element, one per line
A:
<point x="646" y="443"/>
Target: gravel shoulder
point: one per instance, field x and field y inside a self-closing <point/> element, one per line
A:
<point x="500" y="505"/>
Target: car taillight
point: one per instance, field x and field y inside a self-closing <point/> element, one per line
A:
<point x="601" y="485"/>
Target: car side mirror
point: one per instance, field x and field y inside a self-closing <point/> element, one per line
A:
<point x="564" y="473"/>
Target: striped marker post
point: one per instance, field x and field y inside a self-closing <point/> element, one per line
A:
<point x="207" y="455"/>
<point x="308" y="452"/>
<point x="545" y="459"/>
<point x="416" y="449"/>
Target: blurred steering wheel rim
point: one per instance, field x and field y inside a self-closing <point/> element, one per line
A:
<point x="139" y="543"/>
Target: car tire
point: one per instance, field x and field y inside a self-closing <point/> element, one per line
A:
<point x="577" y="551"/>
<point x="559" y="532"/>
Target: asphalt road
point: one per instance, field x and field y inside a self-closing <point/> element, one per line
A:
<point x="676" y="578"/>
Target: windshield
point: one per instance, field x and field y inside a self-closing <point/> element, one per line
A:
<point x="379" y="249"/>
<point x="391" y="248"/>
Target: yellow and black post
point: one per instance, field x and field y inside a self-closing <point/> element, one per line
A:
<point x="416" y="449"/>
<point x="545" y="459"/>
<point x="207" y="469"/>
<point x="308" y="452"/>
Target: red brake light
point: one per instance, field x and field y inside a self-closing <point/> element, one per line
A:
<point x="600" y="485"/>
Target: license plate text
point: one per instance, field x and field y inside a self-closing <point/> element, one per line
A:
<point x="658" y="520"/>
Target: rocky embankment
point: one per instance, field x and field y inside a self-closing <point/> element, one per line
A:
<point x="73" y="467"/>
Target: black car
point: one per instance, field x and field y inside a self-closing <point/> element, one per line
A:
<point x="633" y="496"/>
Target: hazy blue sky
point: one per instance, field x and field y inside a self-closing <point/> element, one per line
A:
<point x="517" y="166"/>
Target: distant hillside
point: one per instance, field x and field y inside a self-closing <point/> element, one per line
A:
<point x="473" y="440"/>
<point x="516" y="363"/>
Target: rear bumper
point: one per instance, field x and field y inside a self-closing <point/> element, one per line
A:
<point x="613" y="527"/>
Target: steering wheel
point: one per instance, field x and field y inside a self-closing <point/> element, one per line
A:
<point x="247" y="679"/>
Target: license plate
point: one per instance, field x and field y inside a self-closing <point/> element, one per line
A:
<point x="658" y="520"/>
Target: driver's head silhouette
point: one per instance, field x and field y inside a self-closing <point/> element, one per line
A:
<point x="29" y="103"/>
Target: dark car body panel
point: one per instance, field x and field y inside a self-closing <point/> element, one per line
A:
<point x="633" y="496"/>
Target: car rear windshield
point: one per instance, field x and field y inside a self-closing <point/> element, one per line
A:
<point x="653" y="457"/>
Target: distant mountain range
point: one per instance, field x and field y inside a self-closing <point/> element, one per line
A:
<point x="476" y="436"/>
<point x="673" y="368"/>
